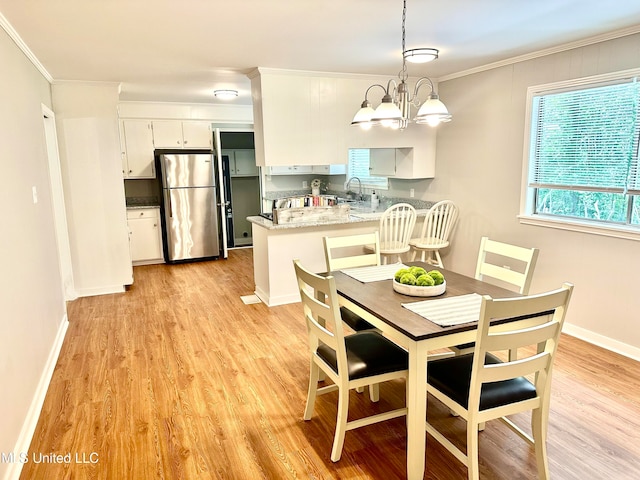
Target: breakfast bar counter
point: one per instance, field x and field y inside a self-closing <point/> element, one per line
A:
<point x="276" y="246"/>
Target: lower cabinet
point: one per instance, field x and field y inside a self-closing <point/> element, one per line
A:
<point x="145" y="235"/>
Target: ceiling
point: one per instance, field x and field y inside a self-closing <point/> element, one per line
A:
<point x="169" y="50"/>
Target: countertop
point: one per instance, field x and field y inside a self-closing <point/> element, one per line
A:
<point x="359" y="214"/>
<point x="142" y="202"/>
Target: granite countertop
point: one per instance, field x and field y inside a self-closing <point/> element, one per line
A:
<point x="142" y="202"/>
<point x="361" y="213"/>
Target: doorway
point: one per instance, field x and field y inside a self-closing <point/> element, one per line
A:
<point x="242" y="185"/>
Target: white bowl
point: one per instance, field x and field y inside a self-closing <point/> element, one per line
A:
<point x="419" y="291"/>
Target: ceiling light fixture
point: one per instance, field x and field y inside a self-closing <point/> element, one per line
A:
<point x="225" y="94"/>
<point x="395" y="108"/>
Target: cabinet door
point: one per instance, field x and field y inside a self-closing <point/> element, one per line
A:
<point x="245" y="163"/>
<point x="167" y="133"/>
<point x="145" y="238"/>
<point x="382" y="161"/>
<point x="197" y="135"/>
<point x="138" y="149"/>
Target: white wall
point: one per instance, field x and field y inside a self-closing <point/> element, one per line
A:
<point x="33" y="312"/>
<point x="479" y="166"/>
<point x="88" y="138"/>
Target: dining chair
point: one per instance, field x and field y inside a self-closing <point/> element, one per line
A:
<point x="349" y="361"/>
<point x="437" y="227"/>
<point x="351" y="251"/>
<point x="480" y="387"/>
<point x="509" y="265"/>
<point x="396" y="227"/>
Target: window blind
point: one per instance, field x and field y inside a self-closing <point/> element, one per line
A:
<point x="359" y="167"/>
<point x="587" y="139"/>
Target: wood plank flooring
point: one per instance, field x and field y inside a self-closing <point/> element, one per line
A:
<point x="178" y="379"/>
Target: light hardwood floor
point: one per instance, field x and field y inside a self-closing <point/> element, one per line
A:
<point x="178" y="379"/>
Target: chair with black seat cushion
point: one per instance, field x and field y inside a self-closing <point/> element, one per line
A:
<point x="348" y="361"/>
<point x="350" y="251"/>
<point x="508" y="265"/>
<point x="480" y="387"/>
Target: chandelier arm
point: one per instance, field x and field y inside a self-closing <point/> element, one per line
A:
<point x="366" y="94"/>
<point x="395" y="87"/>
<point x="419" y="84"/>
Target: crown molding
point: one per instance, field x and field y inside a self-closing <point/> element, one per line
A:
<point x="547" y="51"/>
<point x="7" y="27"/>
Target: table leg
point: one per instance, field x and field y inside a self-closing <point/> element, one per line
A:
<point x="416" y="412"/>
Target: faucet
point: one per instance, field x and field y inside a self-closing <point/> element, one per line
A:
<point x="359" y="186"/>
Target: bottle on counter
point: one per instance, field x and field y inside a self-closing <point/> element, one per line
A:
<point x="374" y="200"/>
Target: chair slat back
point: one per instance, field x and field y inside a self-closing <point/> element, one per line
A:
<point x="439" y="223"/>
<point x="548" y="311"/>
<point x="396" y="225"/>
<point x="521" y="280"/>
<point x="322" y="312"/>
<point x="353" y="248"/>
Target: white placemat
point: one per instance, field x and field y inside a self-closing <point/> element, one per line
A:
<point x="449" y="311"/>
<point x="374" y="273"/>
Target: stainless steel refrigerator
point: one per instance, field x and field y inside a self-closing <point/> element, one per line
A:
<point x="190" y="204"/>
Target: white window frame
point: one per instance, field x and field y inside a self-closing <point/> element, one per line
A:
<point x="527" y="214"/>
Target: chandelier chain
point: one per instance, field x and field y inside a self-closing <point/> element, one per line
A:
<point x="403" y="73"/>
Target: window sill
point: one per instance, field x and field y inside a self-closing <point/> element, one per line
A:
<point x="628" y="233"/>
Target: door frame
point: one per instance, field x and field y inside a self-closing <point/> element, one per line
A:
<point x="217" y="147"/>
<point x="58" y="204"/>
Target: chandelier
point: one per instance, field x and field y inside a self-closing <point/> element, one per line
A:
<point x="394" y="110"/>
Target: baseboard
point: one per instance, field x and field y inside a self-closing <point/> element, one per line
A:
<point x="30" y="422"/>
<point x="90" y="292"/>
<point x="602" y="341"/>
<point x="271" y="301"/>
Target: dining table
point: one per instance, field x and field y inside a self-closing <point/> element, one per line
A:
<point x="379" y="304"/>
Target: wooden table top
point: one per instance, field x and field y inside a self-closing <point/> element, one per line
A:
<point x="379" y="299"/>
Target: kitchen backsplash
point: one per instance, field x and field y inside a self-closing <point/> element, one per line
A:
<point x="384" y="200"/>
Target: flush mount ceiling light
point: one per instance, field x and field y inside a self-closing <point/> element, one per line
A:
<point x="225" y="94"/>
<point x="395" y="108"/>
<point x="420" y="55"/>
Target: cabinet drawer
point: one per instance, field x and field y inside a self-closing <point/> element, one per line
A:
<point x="152" y="212"/>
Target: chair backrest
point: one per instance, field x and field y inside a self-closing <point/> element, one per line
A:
<point x="349" y="251"/>
<point x="439" y="223"/>
<point x="322" y="312"/>
<point x="505" y="273"/>
<point x="551" y="307"/>
<point x="396" y="225"/>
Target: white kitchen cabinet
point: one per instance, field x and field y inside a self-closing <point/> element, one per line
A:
<point x="136" y="144"/>
<point x="242" y="162"/>
<point x="291" y="170"/>
<point x="197" y="135"/>
<point x="145" y="235"/>
<point x="399" y="163"/>
<point x="182" y="134"/>
<point x="297" y="119"/>
<point x="329" y="169"/>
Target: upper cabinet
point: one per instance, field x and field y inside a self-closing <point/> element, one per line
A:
<point x="242" y="162"/>
<point x="398" y="163"/>
<point x="304" y="118"/>
<point x="136" y="142"/>
<point x="296" y="119"/>
<point x="182" y="134"/>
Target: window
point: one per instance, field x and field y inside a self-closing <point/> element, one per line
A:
<point x="359" y="167"/>
<point x="582" y="158"/>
